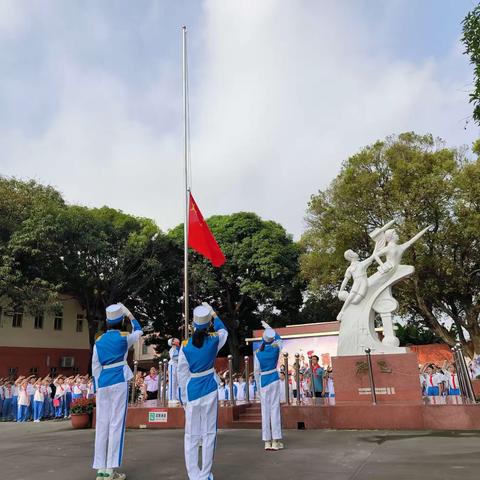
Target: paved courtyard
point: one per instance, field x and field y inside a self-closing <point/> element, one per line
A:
<point x="52" y="450"/>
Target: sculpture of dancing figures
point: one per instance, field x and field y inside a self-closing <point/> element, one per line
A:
<point x="373" y="295"/>
<point x="358" y="271"/>
<point x="394" y="252"/>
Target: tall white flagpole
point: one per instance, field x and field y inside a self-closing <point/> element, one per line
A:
<point x="187" y="188"/>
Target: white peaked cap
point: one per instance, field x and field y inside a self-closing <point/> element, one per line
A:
<point x="114" y="313"/>
<point x="269" y="335"/>
<point x="170" y="341"/>
<point x="201" y="317"/>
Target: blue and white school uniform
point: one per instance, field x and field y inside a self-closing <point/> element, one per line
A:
<point x="252" y="390"/>
<point x="433" y="382"/>
<point x="452" y="383"/>
<point x="14" y="402"/>
<point x="265" y="368"/>
<point x="58" y="400"/>
<point x="172" y="373"/>
<point x="111" y="375"/>
<point x="241" y="391"/>
<point x="31" y="393"/>
<point x="7" y="403"/>
<point x="77" y="391"/>
<point x="23" y="404"/>
<point x="222" y="393"/>
<point x="38" y="401"/>
<point x="199" y="391"/>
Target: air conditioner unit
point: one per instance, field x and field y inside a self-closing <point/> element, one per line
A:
<point x="67" y="362"/>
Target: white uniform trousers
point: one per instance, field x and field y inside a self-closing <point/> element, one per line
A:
<point x="270" y="406"/>
<point x="111" y="413"/>
<point x="172" y="381"/>
<point x="201" y="424"/>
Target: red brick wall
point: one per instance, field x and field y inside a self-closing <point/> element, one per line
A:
<point x="24" y="358"/>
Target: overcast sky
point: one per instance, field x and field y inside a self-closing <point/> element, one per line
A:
<point x="281" y="92"/>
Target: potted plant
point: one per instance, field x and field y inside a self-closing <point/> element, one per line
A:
<point x="81" y="411"/>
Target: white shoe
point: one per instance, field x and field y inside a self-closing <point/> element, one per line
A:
<point x="277" y="445"/>
<point x="268" y="445"/>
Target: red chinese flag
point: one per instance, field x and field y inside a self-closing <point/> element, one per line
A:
<point x="200" y="238"/>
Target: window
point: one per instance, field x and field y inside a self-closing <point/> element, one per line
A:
<point x="33" y="371"/>
<point x="58" y="321"/>
<point x="17" y="318"/>
<point x="38" y="324"/>
<point x="53" y="372"/>
<point x="79" y="323"/>
<point x="144" y="349"/>
<point x="12" y="371"/>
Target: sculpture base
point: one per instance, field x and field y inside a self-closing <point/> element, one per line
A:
<point x="395" y="376"/>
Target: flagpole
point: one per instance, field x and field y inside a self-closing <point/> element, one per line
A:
<point x="187" y="188"/>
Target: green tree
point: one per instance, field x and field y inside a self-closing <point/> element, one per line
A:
<point x="471" y="40"/>
<point x="417" y="181"/>
<point x="25" y="207"/>
<point x="259" y="281"/>
<point x="97" y="256"/>
<point x="411" y="333"/>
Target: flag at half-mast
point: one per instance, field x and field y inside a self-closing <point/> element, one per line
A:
<point x="200" y="237"/>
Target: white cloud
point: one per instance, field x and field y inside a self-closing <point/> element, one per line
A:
<point x="281" y="93"/>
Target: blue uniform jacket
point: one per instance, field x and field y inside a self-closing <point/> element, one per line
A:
<point x="111" y="348"/>
<point x="196" y="360"/>
<point x="266" y="360"/>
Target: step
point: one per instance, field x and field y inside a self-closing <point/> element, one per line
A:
<point x="250" y="416"/>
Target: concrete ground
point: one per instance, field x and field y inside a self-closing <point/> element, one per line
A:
<point x="51" y="450"/>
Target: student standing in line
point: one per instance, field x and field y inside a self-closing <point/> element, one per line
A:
<point x="23" y="402"/>
<point x="59" y="397"/>
<point x="38" y="401"/>
<point x="7" y="402"/>
<point x="265" y="368"/>
<point x="198" y="384"/>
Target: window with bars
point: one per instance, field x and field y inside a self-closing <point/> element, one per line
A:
<point x="144" y="349"/>
<point x="34" y="371"/>
<point x="17" y="318"/>
<point x="58" y="321"/>
<point x="38" y="322"/>
<point x="79" y="323"/>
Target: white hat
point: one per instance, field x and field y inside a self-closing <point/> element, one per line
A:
<point x="268" y="335"/>
<point x="170" y="341"/>
<point x="201" y="317"/>
<point x="114" y="313"/>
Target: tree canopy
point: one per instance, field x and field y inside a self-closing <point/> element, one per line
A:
<point x="418" y="181"/>
<point x="259" y="281"/>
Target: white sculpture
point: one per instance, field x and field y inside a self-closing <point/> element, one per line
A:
<point x="373" y="295"/>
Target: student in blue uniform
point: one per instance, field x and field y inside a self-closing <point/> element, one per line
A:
<point x="265" y="368"/>
<point x="198" y="384"/>
<point x="111" y="375"/>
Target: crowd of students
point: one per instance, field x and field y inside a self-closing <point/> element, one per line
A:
<point x="34" y="398"/>
<point x="147" y="384"/>
<point x="439" y="381"/>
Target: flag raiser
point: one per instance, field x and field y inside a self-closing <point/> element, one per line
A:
<point x="200" y="237"/>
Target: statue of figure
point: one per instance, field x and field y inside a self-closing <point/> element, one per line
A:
<point x="358" y="271"/>
<point x="372" y="295"/>
<point x="394" y="252"/>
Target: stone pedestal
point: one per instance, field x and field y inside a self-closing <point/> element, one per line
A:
<point x="395" y="375"/>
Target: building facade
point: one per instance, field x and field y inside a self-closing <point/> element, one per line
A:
<point x="51" y="343"/>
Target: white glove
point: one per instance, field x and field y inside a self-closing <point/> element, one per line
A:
<point x="207" y="305"/>
<point x="126" y="312"/>
<point x="265" y="325"/>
